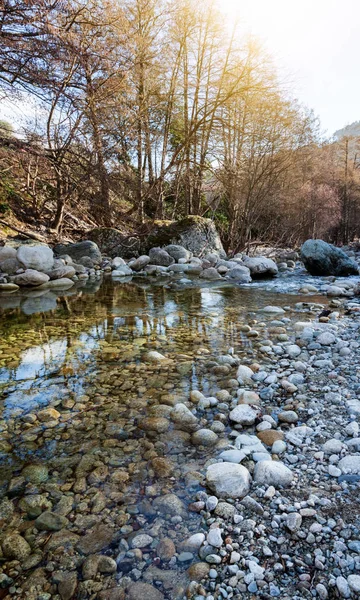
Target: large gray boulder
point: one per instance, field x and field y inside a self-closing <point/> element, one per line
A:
<point x="196" y="234"/>
<point x="260" y="266"/>
<point x="160" y="257"/>
<point x="271" y="472"/>
<point x="79" y="250"/>
<point x="114" y="243"/>
<point x="211" y="274"/>
<point x="40" y="258"/>
<point x="321" y="258"/>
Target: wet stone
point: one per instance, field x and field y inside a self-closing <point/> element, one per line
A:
<point x="67" y="585"/>
<point x="166" y="549"/>
<point x="36" y="473"/>
<point x="169" y="504"/>
<point x="49" y="521"/>
<point x="198" y="571"/>
<point x="96" y="540"/>
<point x="144" y="590"/>
<point x="14" y="546"/>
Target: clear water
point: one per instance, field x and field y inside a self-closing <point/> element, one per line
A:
<point x="85" y="358"/>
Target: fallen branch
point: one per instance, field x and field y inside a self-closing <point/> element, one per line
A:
<point x="32" y="236"/>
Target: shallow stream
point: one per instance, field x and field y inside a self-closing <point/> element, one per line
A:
<point x="103" y="456"/>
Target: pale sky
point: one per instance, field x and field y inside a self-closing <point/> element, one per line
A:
<point x="316" y="43"/>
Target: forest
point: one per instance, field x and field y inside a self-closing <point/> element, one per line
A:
<point x="160" y="109"/>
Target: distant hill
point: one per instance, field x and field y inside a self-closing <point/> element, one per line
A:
<point x="352" y="130"/>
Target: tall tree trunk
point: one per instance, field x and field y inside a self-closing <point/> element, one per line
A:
<point x="60" y="205"/>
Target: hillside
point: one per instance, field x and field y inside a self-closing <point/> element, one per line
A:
<point x="352" y="130"/>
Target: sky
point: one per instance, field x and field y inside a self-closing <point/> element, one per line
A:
<point x="316" y="46"/>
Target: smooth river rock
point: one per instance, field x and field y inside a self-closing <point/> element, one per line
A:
<point x="271" y="472"/>
<point x="228" y="480"/>
<point x="40" y="258"/>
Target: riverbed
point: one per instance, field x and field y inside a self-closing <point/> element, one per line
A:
<point x="91" y="462"/>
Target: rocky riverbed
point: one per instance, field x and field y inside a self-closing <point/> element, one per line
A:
<point x="181" y="443"/>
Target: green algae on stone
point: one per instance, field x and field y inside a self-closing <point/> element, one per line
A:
<point x="36" y="473"/>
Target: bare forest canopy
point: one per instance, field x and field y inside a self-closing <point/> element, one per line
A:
<point x="157" y="109"/>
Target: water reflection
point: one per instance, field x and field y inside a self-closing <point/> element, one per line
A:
<point x="114" y="323"/>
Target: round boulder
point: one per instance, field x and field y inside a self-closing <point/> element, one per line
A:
<point x="160" y="257"/>
<point x="204" y="437"/>
<point x="39" y="258"/>
<point x="177" y="252"/>
<point x="228" y="480"/>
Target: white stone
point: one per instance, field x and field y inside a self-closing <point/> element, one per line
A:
<point x="141" y="541"/>
<point x="233" y="456"/>
<point x="211" y="503"/>
<point x="122" y="271"/>
<point x="334" y="471"/>
<point x="293" y="350"/>
<point x="334" y="291"/>
<point x="297" y="435"/>
<point x="154" y="356"/>
<point x="293" y="521"/>
<point x="288" y="416"/>
<point x="214" y="537"/>
<point x="244" y="414"/>
<point x="247" y="396"/>
<point x="256" y="570"/>
<point x="196" y="396"/>
<point x="117" y="262"/>
<point x="7" y="252"/>
<point x="278" y="447"/>
<point x="354" y="583"/>
<point x="352" y="428"/>
<point x="322" y="591"/>
<point x="228" y="480"/>
<point x="204" y="437"/>
<point x="270" y="492"/>
<point x="193" y="543"/>
<point x="181" y="415"/>
<point x="350" y="464"/>
<point x="270" y="472"/>
<point x="260" y="266"/>
<point x="332" y="446"/>
<point x="326" y="338"/>
<point x="343" y="587"/>
<point x="245" y="374"/>
<point x="276" y="310"/>
<point x="353" y="406"/>
<point x="63" y="283"/>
